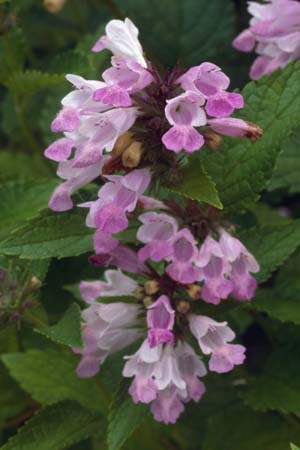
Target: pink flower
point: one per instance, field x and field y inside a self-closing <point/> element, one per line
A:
<point x="67" y="119"/>
<point x="275" y="32"/>
<point x="184" y="113"/>
<point x="206" y="79"/>
<point x="183" y="257"/>
<point x="122" y="40"/>
<point x="214" y="272"/>
<point x="117" y="197"/>
<point x="191" y="368"/>
<point x="160" y="320"/>
<point x="107" y="328"/>
<point x="242" y="263"/>
<point x="156" y="232"/>
<point x="236" y="128"/>
<point x="75" y="178"/>
<point x="116" y="284"/>
<point x="213" y="338"/>
<point x="59" y="150"/>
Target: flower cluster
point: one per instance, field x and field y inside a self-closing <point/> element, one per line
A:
<point x="125" y="132"/>
<point x="274" y="32"/>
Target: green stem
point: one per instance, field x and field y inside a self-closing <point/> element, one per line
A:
<point x="35" y="321"/>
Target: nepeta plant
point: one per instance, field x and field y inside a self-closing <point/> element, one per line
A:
<point x="131" y="128"/>
<point x="149" y="256"/>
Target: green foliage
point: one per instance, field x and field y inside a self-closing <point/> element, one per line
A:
<point x="197" y="185"/>
<point x="51" y="234"/>
<point x="124" y="417"/>
<point x="272" y="246"/>
<point x="68" y="330"/>
<point x="277" y="387"/>
<point x="12" y="399"/>
<point x="183" y="37"/>
<point x="241" y="169"/>
<point x="55" y="427"/>
<point x="22" y="200"/>
<point x="239" y="428"/>
<point x="49" y="376"/>
<point x="286" y="172"/>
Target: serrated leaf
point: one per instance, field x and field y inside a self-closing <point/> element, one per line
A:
<point x="286" y="173"/>
<point x="68" y="330"/>
<point x="55" y="427"/>
<point x="277" y="387"/>
<point x="241" y="169"/>
<point x="239" y="428"/>
<point x="124" y="417"/>
<point x="20" y="201"/>
<point x="197" y="185"/>
<point x="271" y="246"/>
<point x="24" y="84"/>
<point x="50" y="376"/>
<point x="188" y="31"/>
<point x="51" y="235"/>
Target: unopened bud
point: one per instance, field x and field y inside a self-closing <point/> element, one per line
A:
<point x="212" y="140"/>
<point x="151" y="287"/>
<point x="34" y="284"/>
<point x="131" y="157"/>
<point x="194" y="291"/>
<point x="139" y="293"/>
<point x="183" y="307"/>
<point x="121" y="144"/>
<point x="254" y="132"/>
<point x="54" y="6"/>
<point x="147" y="301"/>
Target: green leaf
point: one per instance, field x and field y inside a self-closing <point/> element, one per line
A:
<point x="124" y="417"/>
<point x="68" y="330"/>
<point x="24" y="84"/>
<point x="286" y="173"/>
<point x="51" y="235"/>
<point x="12" y="399"/>
<point x="239" y="428"/>
<point x="188" y="30"/>
<point x="271" y="246"/>
<point x="293" y="447"/>
<point x="277" y="306"/>
<point x="196" y="184"/>
<point x="241" y="169"/>
<point x="50" y="376"/>
<point x="22" y="200"/>
<point x="19" y="165"/>
<point x="277" y="387"/>
<point x="56" y="427"/>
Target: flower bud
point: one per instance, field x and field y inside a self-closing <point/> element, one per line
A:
<point x="121" y="144"/>
<point x="139" y="292"/>
<point x="151" y="287"/>
<point x="254" y="132"/>
<point x="212" y="140"/>
<point x="54" y="6"/>
<point x="194" y="291"/>
<point x="147" y="301"/>
<point x="131" y="157"/>
<point x="183" y="307"/>
<point x="34" y="284"/>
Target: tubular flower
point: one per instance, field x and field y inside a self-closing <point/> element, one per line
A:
<point x="274" y="33"/>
